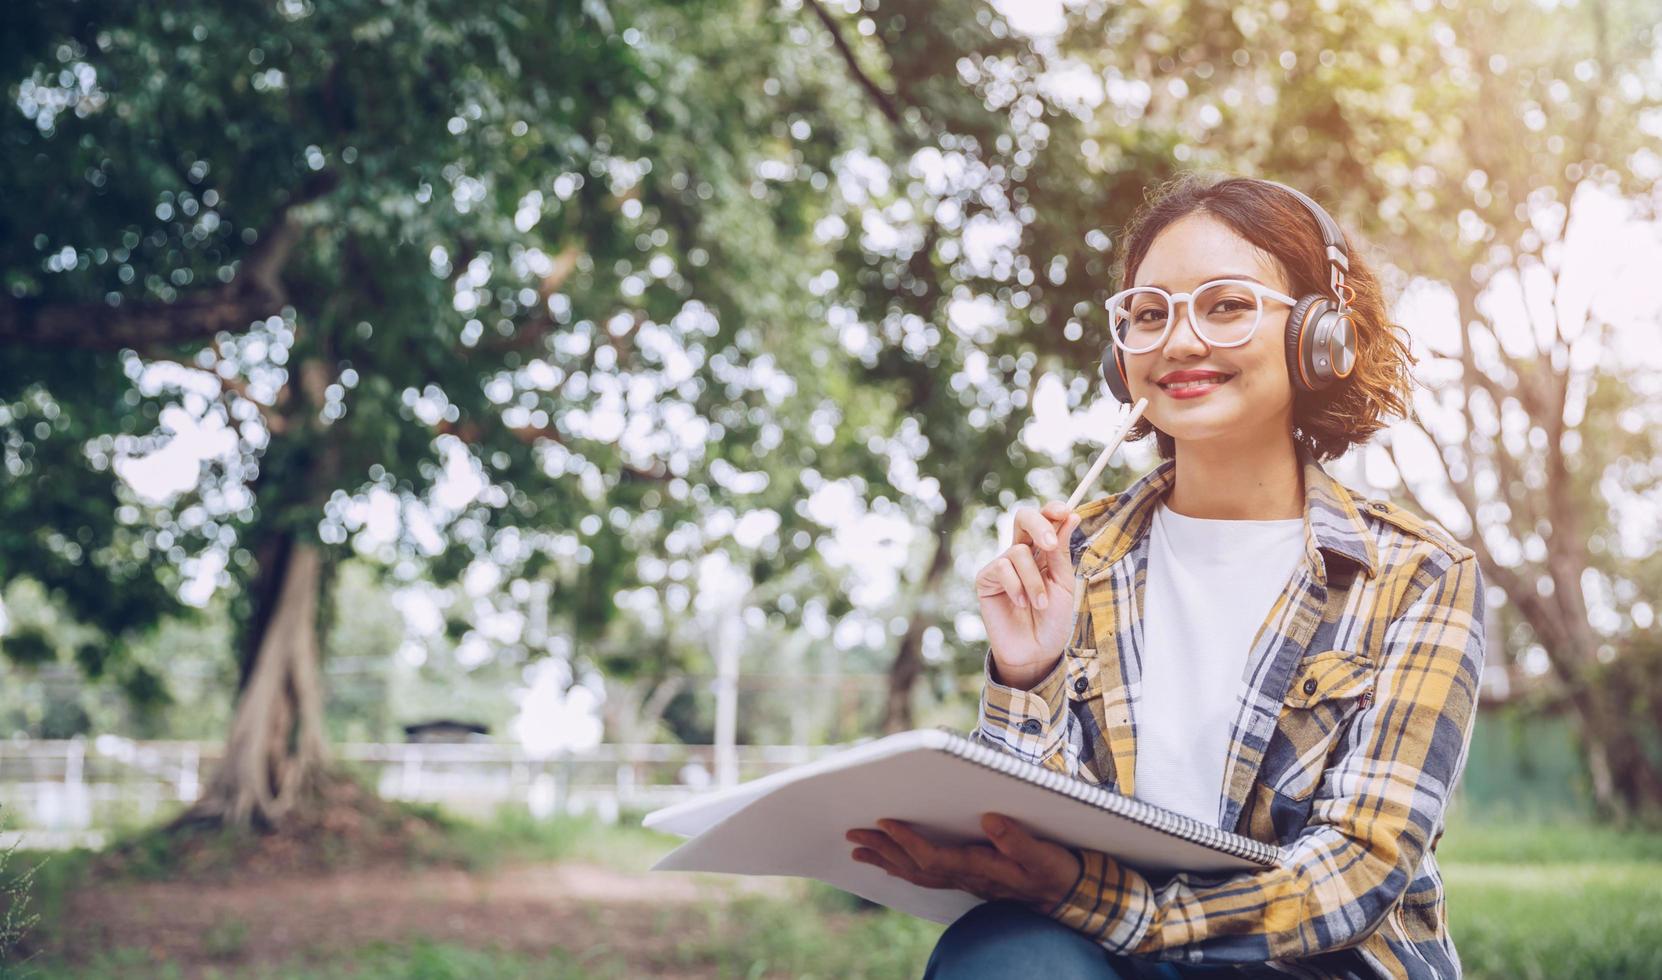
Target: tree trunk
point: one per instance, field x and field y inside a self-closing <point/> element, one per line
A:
<point x="908" y="660"/>
<point x="1626" y="782"/>
<point x="632" y="710"/>
<point x="275" y="752"/>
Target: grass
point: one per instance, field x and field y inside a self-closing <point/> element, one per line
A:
<point x="1554" y="899"/>
<point x="417" y="961"/>
<point x="514" y="836"/>
<point x="1526" y="900"/>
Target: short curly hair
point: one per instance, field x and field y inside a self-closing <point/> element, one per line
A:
<point x="1326" y="422"/>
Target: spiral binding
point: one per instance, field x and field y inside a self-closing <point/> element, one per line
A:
<point x="1137" y="811"/>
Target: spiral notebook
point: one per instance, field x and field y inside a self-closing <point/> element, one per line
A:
<point x="792" y="822"/>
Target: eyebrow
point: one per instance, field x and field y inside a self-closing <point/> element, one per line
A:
<point x="1224" y="275"/>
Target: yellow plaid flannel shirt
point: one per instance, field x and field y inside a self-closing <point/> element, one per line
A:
<point x="1354" y="719"/>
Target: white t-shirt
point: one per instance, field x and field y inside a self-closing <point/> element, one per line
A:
<point x="1209" y="588"/>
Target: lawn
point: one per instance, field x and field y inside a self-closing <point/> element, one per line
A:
<point x="1554" y="900"/>
<point x="1526" y="900"/>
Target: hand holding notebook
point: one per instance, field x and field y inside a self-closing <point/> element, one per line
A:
<point x="793" y="822"/>
<point x="1013" y="864"/>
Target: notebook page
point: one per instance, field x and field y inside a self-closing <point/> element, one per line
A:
<point x="797" y="828"/>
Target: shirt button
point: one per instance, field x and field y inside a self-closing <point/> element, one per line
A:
<point x="1310" y="685"/>
<point x="1080" y="685"/>
<point x="1031" y="726"/>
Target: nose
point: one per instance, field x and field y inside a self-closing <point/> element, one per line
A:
<point x="1182" y="342"/>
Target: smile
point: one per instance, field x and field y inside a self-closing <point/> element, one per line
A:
<point x="1193" y="384"/>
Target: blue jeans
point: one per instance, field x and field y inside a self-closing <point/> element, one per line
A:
<point x="1007" y="939"/>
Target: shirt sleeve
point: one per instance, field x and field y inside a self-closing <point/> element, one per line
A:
<point x="1378" y="805"/>
<point x="1031" y="724"/>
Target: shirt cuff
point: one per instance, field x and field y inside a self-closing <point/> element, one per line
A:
<point x="1109" y="902"/>
<point x="1029" y="723"/>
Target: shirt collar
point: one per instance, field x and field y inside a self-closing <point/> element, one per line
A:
<point x="1332" y="524"/>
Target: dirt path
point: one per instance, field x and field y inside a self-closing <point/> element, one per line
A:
<point x="580" y="908"/>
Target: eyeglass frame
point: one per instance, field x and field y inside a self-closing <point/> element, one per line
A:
<point x="1258" y="289"/>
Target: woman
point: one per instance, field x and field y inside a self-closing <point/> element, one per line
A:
<point x="1236" y="637"/>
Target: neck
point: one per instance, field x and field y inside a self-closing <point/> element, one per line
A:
<point x="1219" y="481"/>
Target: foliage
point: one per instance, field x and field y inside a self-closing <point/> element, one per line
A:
<point x="447" y="315"/>
<point x="18" y="914"/>
<point x="462" y="267"/>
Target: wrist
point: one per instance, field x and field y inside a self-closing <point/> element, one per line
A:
<point x="1025" y="677"/>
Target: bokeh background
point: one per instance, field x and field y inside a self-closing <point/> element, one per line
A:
<point x="433" y="434"/>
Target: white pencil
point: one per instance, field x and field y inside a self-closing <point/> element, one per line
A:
<point x="1107" y="451"/>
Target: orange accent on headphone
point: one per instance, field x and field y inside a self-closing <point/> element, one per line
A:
<point x="1302" y="334"/>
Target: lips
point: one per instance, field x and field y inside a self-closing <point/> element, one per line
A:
<point x="1193" y="381"/>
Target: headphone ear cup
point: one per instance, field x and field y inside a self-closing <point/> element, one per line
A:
<point x="1113" y="373"/>
<point x="1300" y="326"/>
<point x="1338" y="338"/>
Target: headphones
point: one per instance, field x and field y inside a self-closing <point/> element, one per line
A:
<point x="1320" y="340"/>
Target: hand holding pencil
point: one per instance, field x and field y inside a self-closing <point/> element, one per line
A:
<point x="1026" y="593"/>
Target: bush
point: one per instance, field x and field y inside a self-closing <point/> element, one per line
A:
<point x="16" y="918"/>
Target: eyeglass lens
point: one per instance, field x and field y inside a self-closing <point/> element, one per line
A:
<point x="1224" y="313"/>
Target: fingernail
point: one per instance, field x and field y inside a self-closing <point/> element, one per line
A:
<point x="1041" y="600"/>
<point x="1021" y="601"/>
<point x="996" y="827"/>
<point x="1050" y="541"/>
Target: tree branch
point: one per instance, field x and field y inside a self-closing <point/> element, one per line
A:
<point x="885" y="102"/>
<point x="152" y="325"/>
<point x="1517" y="588"/>
<point x="473" y="434"/>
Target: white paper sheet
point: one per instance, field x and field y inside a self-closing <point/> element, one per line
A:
<point x="792" y="823"/>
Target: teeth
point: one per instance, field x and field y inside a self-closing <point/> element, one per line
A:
<point x="1180" y="385"/>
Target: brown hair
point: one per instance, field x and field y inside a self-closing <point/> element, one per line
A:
<point x="1325" y="422"/>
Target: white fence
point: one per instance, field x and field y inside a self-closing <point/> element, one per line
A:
<point x="75" y="792"/>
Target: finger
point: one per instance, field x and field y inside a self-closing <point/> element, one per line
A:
<point x="1042" y="860"/>
<point x="1001" y="577"/>
<point x="989" y="865"/>
<point x="979" y="885"/>
<point x="931" y="858"/>
<point x="1059" y="560"/>
<point x="1009" y="837"/>
<point x="884" y="845"/>
<point x="866" y="855"/>
<point x="1033" y="528"/>
<point x="1032" y="580"/>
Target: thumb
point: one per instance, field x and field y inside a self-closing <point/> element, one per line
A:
<point x="1055" y="866"/>
<point x="1013" y="841"/>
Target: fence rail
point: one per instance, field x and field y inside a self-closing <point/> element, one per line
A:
<point x="76" y="792"/>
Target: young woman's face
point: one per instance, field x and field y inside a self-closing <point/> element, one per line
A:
<point x="1244" y="394"/>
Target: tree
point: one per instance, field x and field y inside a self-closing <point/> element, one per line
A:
<point x="1537" y="432"/>
<point x="392" y="240"/>
<point x="1537" y="416"/>
<point x="988" y="244"/>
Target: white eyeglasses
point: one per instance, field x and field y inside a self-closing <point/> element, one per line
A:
<point x="1223" y="312"/>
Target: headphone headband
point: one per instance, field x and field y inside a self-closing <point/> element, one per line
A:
<point x="1331" y="235"/>
<point x="1338" y="257"/>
